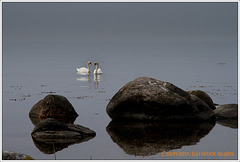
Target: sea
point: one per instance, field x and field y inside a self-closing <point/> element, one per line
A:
<point x="31" y="70"/>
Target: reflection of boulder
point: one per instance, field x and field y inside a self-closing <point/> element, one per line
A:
<point x="148" y="138"/>
<point x="52" y="135"/>
<point x="50" y="146"/>
<point x="228" y="123"/>
<point x="53" y="106"/>
<point x="150" y="99"/>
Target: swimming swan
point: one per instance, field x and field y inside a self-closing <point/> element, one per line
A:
<point x="84" y="70"/>
<point x="97" y="70"/>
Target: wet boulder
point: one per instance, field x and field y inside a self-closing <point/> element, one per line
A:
<point x="53" y="106"/>
<point x="204" y="97"/>
<point x="51" y="135"/>
<point x="150" y="99"/>
<point x="53" y="129"/>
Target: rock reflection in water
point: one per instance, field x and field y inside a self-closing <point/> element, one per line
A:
<point x="144" y="139"/>
<point x="50" y="146"/>
<point x="51" y="135"/>
<point x="231" y="123"/>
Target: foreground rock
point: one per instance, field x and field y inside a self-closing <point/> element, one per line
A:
<point x="150" y="138"/>
<point x="54" y="129"/>
<point x="204" y="97"/>
<point x="53" y="106"/>
<point x="52" y="135"/>
<point x="227" y="115"/>
<point x="10" y="155"/>
<point x="150" y="99"/>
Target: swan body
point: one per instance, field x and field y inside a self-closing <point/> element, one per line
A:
<point x="97" y="70"/>
<point x="84" y="70"/>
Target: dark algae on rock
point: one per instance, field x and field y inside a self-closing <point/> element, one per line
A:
<point x="204" y="97"/>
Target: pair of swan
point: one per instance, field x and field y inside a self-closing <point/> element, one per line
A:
<point x="84" y="70"/>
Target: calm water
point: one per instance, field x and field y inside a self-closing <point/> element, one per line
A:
<point x="32" y="70"/>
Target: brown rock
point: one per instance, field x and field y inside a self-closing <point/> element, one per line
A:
<point x="53" y="106"/>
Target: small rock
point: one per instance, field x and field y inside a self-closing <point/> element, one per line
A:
<point x="56" y="129"/>
<point x="228" y="111"/>
<point x="10" y="155"/>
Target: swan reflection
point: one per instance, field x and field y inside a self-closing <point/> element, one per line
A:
<point x="97" y="78"/>
<point x="87" y="78"/>
<point x="84" y="78"/>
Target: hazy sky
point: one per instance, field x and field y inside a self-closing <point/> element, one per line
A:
<point x="119" y="21"/>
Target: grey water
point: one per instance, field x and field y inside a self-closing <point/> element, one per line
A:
<point x="34" y="69"/>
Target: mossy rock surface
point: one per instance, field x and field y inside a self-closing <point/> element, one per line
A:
<point x="204" y="97"/>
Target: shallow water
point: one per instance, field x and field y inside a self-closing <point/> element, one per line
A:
<point x="32" y="70"/>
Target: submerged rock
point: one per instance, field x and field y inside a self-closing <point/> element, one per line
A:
<point x="150" y="99"/>
<point x="53" y="106"/>
<point x="10" y="155"/>
<point x="52" y="128"/>
<point x="204" y="97"/>
<point x="52" y="135"/>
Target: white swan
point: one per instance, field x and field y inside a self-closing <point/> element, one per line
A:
<point x="97" y="70"/>
<point x="84" y="70"/>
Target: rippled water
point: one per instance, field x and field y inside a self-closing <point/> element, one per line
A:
<point x="32" y="70"/>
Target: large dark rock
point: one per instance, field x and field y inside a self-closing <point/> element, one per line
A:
<point x="150" y="99"/>
<point x="53" y="106"/>
<point x="51" y="135"/>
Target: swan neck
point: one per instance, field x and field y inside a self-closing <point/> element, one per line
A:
<point x="88" y="66"/>
<point x="97" y="66"/>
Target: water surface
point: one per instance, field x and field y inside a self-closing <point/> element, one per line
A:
<point x="32" y="70"/>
